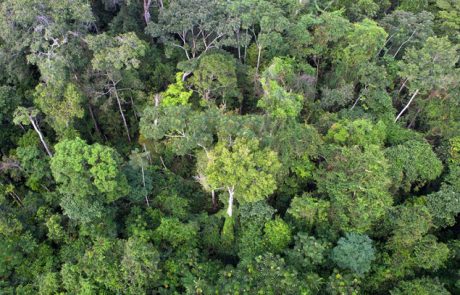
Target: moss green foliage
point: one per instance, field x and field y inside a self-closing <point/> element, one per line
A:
<point x="230" y="147"/>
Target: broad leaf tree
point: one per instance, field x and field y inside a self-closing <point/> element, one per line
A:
<point x="244" y="170"/>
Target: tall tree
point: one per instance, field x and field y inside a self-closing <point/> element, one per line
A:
<point x="112" y="56"/>
<point x="243" y="170"/>
<point x="89" y="176"/>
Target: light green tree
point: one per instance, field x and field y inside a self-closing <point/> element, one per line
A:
<point x="246" y="172"/>
<point x="176" y="93"/>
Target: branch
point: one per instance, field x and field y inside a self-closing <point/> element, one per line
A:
<point x="405" y="108"/>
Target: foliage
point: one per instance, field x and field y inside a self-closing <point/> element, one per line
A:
<point x="243" y="170"/>
<point x="413" y="161"/>
<point x="356" y="182"/>
<point x="277" y="235"/>
<point x="176" y="93"/>
<point x="354" y="252"/>
<point x="229" y="147"/>
<point x="420" y="286"/>
<point x="89" y="176"/>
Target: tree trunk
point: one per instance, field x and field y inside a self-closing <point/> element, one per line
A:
<point x="146" y="11"/>
<point x="213" y="197"/>
<point x="230" y="201"/>
<point x="121" y="111"/>
<point x="238" y="44"/>
<point x="407" y="105"/>
<point x="93" y="117"/>
<point x="258" y="59"/>
<point x="42" y="139"/>
<point x="404" y="43"/>
<point x="143" y="183"/>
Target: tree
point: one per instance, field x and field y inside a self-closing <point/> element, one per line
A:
<point x="139" y="160"/>
<point x="193" y="26"/>
<point x="448" y="18"/>
<point x="356" y="182"/>
<point x="26" y="116"/>
<point x="139" y="266"/>
<point x="266" y="273"/>
<point x="412" y="162"/>
<point x="406" y="30"/>
<point x="430" y="70"/>
<point x="250" y="235"/>
<point x="278" y="102"/>
<point x="215" y="78"/>
<point x="112" y="55"/>
<point x="243" y="170"/>
<point x="359" y="9"/>
<point x="61" y="104"/>
<point x="360" y="45"/>
<point x="180" y="127"/>
<point x="354" y="252"/>
<point x="277" y="235"/>
<point x="359" y="132"/>
<point x="55" y="37"/>
<point x="307" y="212"/>
<point x="414" y="6"/>
<point x="422" y="286"/>
<point x="308" y="252"/>
<point x="9" y="101"/>
<point x="176" y="93"/>
<point x="88" y="177"/>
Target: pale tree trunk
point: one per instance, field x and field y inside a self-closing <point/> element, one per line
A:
<point x="213" y="198"/>
<point x="259" y="53"/>
<point x="238" y="44"/>
<point x="143" y="183"/>
<point x="146" y="11"/>
<point x="157" y="99"/>
<point x="231" y="192"/>
<point x="397" y="51"/>
<point x="407" y="105"/>
<point x="42" y="139"/>
<point x="121" y="110"/>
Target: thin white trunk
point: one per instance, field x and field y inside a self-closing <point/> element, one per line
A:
<point x="258" y="59"/>
<point x="407" y="105"/>
<point x="134" y="107"/>
<point x="42" y="139"/>
<point x="146" y="11"/>
<point x="404" y="43"/>
<point x="402" y="86"/>
<point x="157" y="98"/>
<point x="213" y="196"/>
<point x="143" y="183"/>
<point x="121" y="112"/>
<point x="238" y="44"/>
<point x="231" y="193"/>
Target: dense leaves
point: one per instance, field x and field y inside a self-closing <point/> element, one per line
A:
<point x="229" y="147"/>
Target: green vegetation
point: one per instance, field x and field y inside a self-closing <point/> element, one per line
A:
<point x="230" y="147"/>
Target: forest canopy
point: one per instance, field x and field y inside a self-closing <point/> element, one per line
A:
<point x="230" y="147"/>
